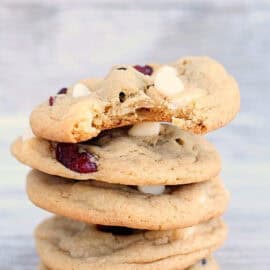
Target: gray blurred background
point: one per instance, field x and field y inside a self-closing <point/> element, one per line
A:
<point x="46" y="45"/>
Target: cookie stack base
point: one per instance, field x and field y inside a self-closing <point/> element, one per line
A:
<point x="204" y="264"/>
<point x="64" y="244"/>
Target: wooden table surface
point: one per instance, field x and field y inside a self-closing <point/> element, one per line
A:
<point x="45" y="45"/>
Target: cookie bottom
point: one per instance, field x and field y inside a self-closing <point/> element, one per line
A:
<point x="204" y="264"/>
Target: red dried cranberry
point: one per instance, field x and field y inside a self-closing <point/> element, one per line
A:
<point x="62" y="91"/>
<point x="146" y="70"/>
<point x="116" y="230"/>
<point x="51" y="100"/>
<point x="68" y="154"/>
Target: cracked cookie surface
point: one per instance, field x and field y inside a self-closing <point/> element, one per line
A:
<point x="119" y="205"/>
<point x="172" y="157"/>
<point x="196" y="93"/>
<point x="65" y="244"/>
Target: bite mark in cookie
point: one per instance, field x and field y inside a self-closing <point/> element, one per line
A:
<point x="193" y="92"/>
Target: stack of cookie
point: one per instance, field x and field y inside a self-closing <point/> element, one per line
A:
<point x="122" y="163"/>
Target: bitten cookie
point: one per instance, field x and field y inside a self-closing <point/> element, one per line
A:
<point x="145" y="154"/>
<point x="110" y="204"/>
<point x="204" y="264"/>
<point x="68" y="245"/>
<point x="196" y="93"/>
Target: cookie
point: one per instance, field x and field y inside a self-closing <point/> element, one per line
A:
<point x="68" y="245"/>
<point x="165" y="156"/>
<point x="119" y="205"/>
<point x="196" y="93"/>
<point x="204" y="264"/>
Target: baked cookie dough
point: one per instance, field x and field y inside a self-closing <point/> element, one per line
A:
<point x="119" y="205"/>
<point x="196" y="93"/>
<point x="68" y="245"/>
<point x="204" y="264"/>
<point x="145" y="154"/>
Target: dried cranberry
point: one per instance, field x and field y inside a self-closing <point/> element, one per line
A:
<point x="68" y="154"/>
<point x="51" y="100"/>
<point x="116" y="230"/>
<point x="146" y="70"/>
<point x="62" y="91"/>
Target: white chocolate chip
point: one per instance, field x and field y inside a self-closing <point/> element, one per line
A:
<point x="155" y="190"/>
<point x="28" y="134"/>
<point x="202" y="199"/>
<point x="145" y="129"/>
<point x="168" y="83"/>
<point x="188" y="232"/>
<point x="80" y="90"/>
